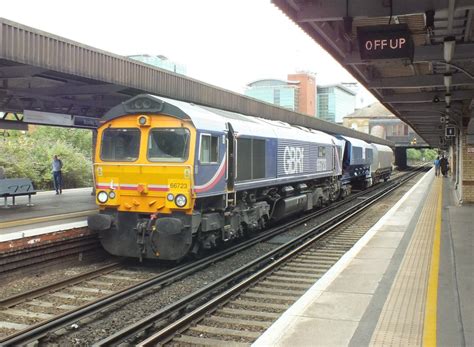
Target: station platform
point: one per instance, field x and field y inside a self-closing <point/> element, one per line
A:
<point x="407" y="282"/>
<point x="50" y="213"/>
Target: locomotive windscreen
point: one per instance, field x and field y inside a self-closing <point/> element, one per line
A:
<point x="170" y="144"/>
<point x="120" y="144"/>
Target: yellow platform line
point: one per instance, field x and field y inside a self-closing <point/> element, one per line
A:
<point x="402" y="319"/>
<point x="36" y="220"/>
<point x="431" y="311"/>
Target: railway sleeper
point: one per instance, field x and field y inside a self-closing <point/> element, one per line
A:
<point x="313" y="270"/>
<point x="280" y="285"/>
<point x="284" y="292"/>
<point x="295" y="275"/>
<point x="248" y="313"/>
<point x="238" y="321"/>
<point x="200" y="341"/>
<point x="259" y="304"/>
<point x="317" y="262"/>
<point x="276" y="278"/>
<point x="204" y="329"/>
<point x="256" y="296"/>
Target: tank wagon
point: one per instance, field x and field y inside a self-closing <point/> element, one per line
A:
<point x="174" y="178"/>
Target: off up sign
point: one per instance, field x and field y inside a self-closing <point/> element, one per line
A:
<point x="385" y="42"/>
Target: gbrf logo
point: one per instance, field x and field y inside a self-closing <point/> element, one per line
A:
<point x="293" y="160"/>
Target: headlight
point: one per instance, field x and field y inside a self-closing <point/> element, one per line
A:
<point x="102" y="197"/>
<point x="180" y="200"/>
<point x="112" y="195"/>
<point x="170" y="197"/>
<point x="142" y="120"/>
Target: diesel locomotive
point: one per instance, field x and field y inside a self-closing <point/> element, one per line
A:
<point x="174" y="178"/>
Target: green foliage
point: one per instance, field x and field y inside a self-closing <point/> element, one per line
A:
<point x="31" y="154"/>
<point x="413" y="154"/>
<point x="421" y="154"/>
<point x="430" y="154"/>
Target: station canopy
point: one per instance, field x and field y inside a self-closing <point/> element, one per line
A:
<point x="49" y="79"/>
<point x="415" y="56"/>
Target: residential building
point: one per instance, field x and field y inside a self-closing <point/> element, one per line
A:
<point x="376" y="120"/>
<point x="335" y="101"/>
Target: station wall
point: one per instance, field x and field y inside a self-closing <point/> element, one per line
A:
<point x="467" y="153"/>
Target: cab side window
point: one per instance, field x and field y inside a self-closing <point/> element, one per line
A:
<point x="209" y="149"/>
<point x="369" y="155"/>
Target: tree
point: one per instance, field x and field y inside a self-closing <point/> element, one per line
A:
<point x="413" y="154"/>
<point x="30" y="155"/>
<point x="429" y="154"/>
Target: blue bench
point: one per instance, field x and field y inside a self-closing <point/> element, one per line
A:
<point x="13" y="187"/>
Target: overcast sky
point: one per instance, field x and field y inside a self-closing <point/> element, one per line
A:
<point x="227" y="43"/>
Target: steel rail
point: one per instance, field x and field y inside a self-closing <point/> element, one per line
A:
<point x="273" y="257"/>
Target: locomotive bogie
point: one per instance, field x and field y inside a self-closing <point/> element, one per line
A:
<point x="167" y="236"/>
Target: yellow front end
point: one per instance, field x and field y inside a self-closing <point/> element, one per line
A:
<point x="149" y="179"/>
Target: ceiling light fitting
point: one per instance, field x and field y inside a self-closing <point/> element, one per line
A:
<point x="449" y="44"/>
<point x="447" y="81"/>
<point x="447" y="99"/>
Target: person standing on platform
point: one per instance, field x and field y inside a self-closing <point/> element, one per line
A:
<point x="444" y="166"/>
<point x="57" y="176"/>
<point x="437" y="166"/>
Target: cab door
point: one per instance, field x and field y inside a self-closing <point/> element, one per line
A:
<point x="231" y="158"/>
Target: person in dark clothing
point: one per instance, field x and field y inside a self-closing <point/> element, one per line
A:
<point x="57" y="176"/>
<point x="444" y="166"/>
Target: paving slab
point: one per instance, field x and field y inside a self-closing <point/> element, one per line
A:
<point x="355" y="283"/>
<point x="338" y="306"/>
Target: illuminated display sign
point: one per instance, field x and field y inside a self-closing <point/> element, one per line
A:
<point x="385" y="42"/>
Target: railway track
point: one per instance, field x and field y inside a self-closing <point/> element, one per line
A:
<point x="242" y="319"/>
<point x="41" y="329"/>
<point x="50" y="302"/>
<point x="269" y="286"/>
<point x="33" y="258"/>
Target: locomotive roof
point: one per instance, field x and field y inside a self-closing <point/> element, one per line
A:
<point x="215" y="120"/>
<point x="356" y="142"/>
<point x="382" y="148"/>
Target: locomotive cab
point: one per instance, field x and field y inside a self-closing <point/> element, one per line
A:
<point x="144" y="178"/>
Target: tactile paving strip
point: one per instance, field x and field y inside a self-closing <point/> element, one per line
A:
<point x="402" y="317"/>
